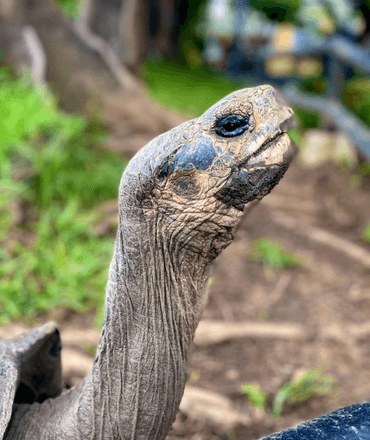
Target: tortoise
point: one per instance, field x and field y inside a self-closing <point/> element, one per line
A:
<point x="180" y="200"/>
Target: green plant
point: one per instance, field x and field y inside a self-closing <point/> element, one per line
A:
<point x="89" y="349"/>
<point x="194" y="377"/>
<point x="307" y="119"/>
<point x="296" y="136"/>
<point x="314" y="85"/>
<point x="283" y="10"/>
<point x="272" y="254"/>
<point x="71" y="8"/>
<point x="357" y="98"/>
<point x="363" y="171"/>
<point x="309" y="384"/>
<point x="255" y="395"/>
<point x="189" y="90"/>
<point x="53" y="170"/>
<point x="366" y="233"/>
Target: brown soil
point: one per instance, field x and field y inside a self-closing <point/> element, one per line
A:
<point x="330" y="288"/>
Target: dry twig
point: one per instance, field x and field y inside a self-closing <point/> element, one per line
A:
<point x="324" y="237"/>
<point x="37" y="54"/>
<point x="97" y="44"/>
<point x="213" y="332"/>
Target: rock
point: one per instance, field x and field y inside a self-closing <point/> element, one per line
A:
<point x="321" y="147"/>
<point x="198" y="403"/>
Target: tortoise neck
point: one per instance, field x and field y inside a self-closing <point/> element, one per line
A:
<point x="154" y="301"/>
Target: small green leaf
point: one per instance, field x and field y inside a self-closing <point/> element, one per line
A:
<point x="272" y="254"/>
<point x="366" y="234"/>
<point x="90" y="349"/>
<point x="310" y="383"/>
<point x="255" y="395"/>
<point x="296" y="137"/>
<point x="280" y="398"/>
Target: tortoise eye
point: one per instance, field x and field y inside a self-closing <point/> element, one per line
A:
<point x="232" y="125"/>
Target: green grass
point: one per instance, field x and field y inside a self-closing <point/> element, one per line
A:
<point x="53" y="171"/>
<point x="70" y="8"/>
<point x="272" y="254"/>
<point x="255" y="395"/>
<point x="366" y="233"/>
<point x="188" y="90"/>
<point x="296" y="136"/>
<point x="311" y="383"/>
<point x="90" y="349"/>
<point x="357" y="98"/>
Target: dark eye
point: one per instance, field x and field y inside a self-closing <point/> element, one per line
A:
<point x="185" y="188"/>
<point x="232" y="125"/>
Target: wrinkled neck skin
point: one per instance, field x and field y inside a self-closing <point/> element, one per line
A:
<point x="153" y="306"/>
<point x="155" y="295"/>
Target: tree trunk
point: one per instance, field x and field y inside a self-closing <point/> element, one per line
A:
<point x="84" y="70"/>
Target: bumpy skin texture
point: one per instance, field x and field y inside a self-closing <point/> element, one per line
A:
<point x="180" y="200"/>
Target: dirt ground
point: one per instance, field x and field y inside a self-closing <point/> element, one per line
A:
<point x="318" y="215"/>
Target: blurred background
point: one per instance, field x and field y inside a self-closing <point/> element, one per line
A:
<point x="85" y="84"/>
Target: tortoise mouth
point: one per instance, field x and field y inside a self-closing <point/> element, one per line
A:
<point x="257" y="176"/>
<point x="274" y="151"/>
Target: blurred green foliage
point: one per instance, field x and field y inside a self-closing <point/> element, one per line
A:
<point x="190" y="42"/>
<point x="307" y="119"/>
<point x="283" y="10"/>
<point x="309" y="384"/>
<point x="314" y="85"/>
<point x="52" y="173"/>
<point x="366" y="234"/>
<point x="90" y="349"/>
<point x="357" y="98"/>
<point x="71" y="8"/>
<point x="186" y="89"/>
<point x="362" y="173"/>
<point x="272" y="254"/>
<point x="255" y="395"/>
<point x="296" y="136"/>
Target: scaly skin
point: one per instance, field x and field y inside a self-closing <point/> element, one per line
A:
<point x="180" y="200"/>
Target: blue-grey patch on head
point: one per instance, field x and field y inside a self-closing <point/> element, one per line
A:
<point x="217" y="163"/>
<point x="255" y="136"/>
<point x="186" y="135"/>
<point x="243" y="174"/>
<point x="198" y="154"/>
<point x="228" y="160"/>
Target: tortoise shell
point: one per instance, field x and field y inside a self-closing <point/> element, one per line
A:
<point x="30" y="370"/>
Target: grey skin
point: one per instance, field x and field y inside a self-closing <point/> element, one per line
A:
<point x="180" y="200"/>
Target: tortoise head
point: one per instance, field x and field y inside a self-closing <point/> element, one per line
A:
<point x="200" y="175"/>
